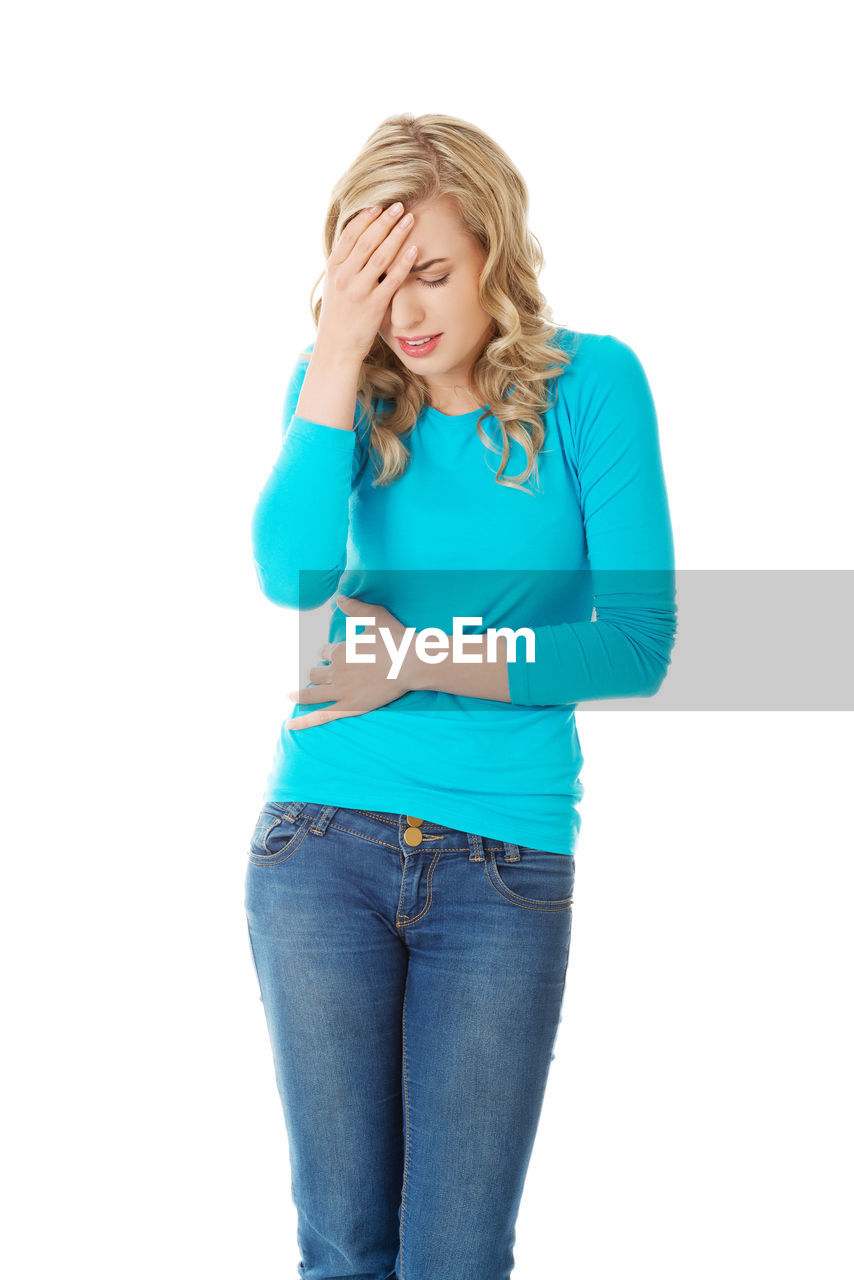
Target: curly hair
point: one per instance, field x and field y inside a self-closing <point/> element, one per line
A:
<point x="428" y="157"/>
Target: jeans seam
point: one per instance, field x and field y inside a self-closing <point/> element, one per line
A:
<point x="408" y="920"/>
<point x="406" y="1133"/>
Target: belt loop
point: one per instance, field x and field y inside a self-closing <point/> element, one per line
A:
<point x="476" y="847"/>
<point x="294" y="809"/>
<point x="323" y="819"/>
<point x="511" y="852"/>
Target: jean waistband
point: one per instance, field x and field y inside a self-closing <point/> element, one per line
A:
<point x="322" y="815"/>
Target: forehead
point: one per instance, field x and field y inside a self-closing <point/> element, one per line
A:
<point x="442" y="241"/>
<point x="437" y="229"/>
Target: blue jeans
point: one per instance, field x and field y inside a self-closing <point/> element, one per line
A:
<point x="412" y="978"/>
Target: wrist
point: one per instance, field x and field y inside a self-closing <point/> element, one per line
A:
<point x="410" y="669"/>
<point x="337" y="359"/>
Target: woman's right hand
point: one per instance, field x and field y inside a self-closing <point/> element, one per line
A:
<point x="355" y="300"/>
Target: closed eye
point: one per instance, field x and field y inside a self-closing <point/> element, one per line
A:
<point x="434" y="284"/>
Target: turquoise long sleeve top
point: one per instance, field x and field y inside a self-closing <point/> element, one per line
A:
<point x="446" y="540"/>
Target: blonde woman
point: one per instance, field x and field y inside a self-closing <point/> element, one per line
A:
<point x="453" y="466"/>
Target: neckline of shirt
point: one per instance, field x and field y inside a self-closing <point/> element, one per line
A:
<point x="435" y="415"/>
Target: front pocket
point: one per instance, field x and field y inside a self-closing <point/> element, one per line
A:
<point x="276" y="836"/>
<point x="540" y="880"/>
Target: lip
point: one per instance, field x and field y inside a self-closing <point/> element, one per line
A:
<point x="422" y="350"/>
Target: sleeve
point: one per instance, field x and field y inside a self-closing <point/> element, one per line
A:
<point x="625" y="650"/>
<point x="300" y="523"/>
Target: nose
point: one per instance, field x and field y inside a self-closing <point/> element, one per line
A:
<point x="401" y="317"/>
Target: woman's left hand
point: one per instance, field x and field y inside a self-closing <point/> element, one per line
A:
<point x="354" y="687"/>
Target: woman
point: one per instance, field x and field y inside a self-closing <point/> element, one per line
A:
<point x="410" y="878"/>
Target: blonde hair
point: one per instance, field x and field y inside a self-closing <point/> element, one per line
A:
<point x="411" y="158"/>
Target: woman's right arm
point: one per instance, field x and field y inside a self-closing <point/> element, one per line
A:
<point x="328" y="393"/>
<point x="301" y="520"/>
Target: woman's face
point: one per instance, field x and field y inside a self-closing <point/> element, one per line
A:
<point x="441" y="298"/>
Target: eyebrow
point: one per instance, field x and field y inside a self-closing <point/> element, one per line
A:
<point x="424" y="265"/>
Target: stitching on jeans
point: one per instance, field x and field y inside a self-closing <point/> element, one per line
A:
<point x="528" y="904"/>
<point x="406" y="1131"/>
<point x="414" y="919"/>
<point x="392" y="822"/>
<point x="273" y="859"/>
<point x="363" y="836"/>
<point x="374" y="839"/>
<point x="448" y="848"/>
<point x="495" y="846"/>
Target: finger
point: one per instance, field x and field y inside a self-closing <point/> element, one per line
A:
<point x="321" y="675"/>
<point x="306" y="697"/>
<point x="301" y="722"/>
<point x="350" y="233"/>
<point x="380" y="242"/>
<point x="316" y="717"/>
<point x="398" y="271"/>
<point x="394" y="251"/>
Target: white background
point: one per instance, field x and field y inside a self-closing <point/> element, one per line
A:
<point x="167" y="170"/>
